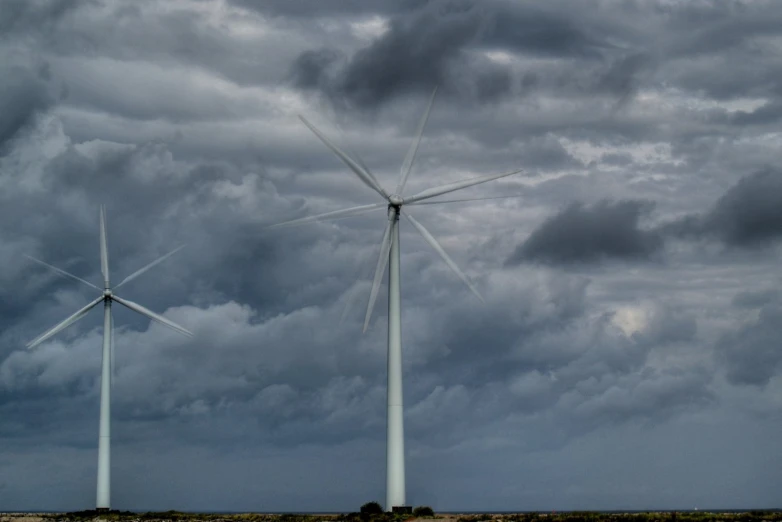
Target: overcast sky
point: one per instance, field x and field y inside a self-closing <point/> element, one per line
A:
<point x="628" y="354"/>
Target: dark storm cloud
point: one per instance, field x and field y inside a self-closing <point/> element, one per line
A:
<point x="623" y="76"/>
<point x="751" y="355"/>
<point x="437" y="43"/>
<point x="668" y="325"/>
<point x="606" y="230"/>
<point x="538" y="29"/>
<point x="327" y="8"/>
<point x="19" y="17"/>
<point x="445" y="43"/>
<point x="309" y="70"/>
<point x="711" y="28"/>
<point x="755" y="299"/>
<point x="749" y="214"/>
<point x="413" y="55"/>
<point x="23" y="93"/>
<point x="767" y="114"/>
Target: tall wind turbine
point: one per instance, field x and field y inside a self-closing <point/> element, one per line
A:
<point x="389" y="254"/>
<point x="107" y="297"/>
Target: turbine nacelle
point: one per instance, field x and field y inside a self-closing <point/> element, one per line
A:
<point x="394" y="201"/>
<point x="106" y="294"/>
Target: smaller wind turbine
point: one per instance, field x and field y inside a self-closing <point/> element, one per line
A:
<point x="396" y="206"/>
<point x="107" y="297"/>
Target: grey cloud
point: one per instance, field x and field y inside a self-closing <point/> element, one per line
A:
<point x="751" y="354"/>
<point x="438" y="42"/>
<point x="23" y="93"/>
<point x="310" y="68"/>
<point x="669" y="325"/>
<point x="327" y="8"/>
<point x="766" y="114"/>
<point x="547" y="153"/>
<point x="414" y="54"/>
<point x="19" y="16"/>
<point x="623" y="159"/>
<point x="652" y="395"/>
<point x="624" y="76"/>
<point x="606" y="230"/>
<point x="721" y="27"/>
<point x="535" y="29"/>
<point x="755" y="299"/>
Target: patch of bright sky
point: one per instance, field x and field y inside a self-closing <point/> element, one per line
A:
<point x="676" y="99"/>
<point x="369" y="28"/>
<point x="500" y="57"/>
<point x="219" y="13"/>
<point x="630" y="319"/>
<point x="768" y="140"/>
<point x="525" y="62"/>
<point x="642" y="153"/>
<point x="46" y="141"/>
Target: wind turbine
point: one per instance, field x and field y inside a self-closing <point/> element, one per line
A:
<point x="107" y="297"/>
<point x="389" y="255"/>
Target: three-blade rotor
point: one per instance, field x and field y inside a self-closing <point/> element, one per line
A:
<point x="106" y="293"/>
<point x="395" y="202"/>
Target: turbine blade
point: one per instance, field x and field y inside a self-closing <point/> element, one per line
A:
<point x="382" y="262"/>
<point x="64" y="324"/>
<point x="439" y="249"/>
<point x="352" y="294"/>
<point x="157" y="261"/>
<point x="361" y="172"/>
<point x="450" y="187"/>
<point x="104" y="247"/>
<point x="353" y="153"/>
<point x="152" y="315"/>
<point x="365" y="272"/>
<point x="408" y="164"/>
<point x="417" y="203"/>
<point x="63" y="272"/>
<point x="334" y="214"/>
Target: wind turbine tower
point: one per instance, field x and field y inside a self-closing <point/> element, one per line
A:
<point x="107" y="297"/>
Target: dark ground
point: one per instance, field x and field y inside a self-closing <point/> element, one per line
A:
<point x="175" y="516"/>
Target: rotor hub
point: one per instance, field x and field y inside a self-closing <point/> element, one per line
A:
<point x="396" y="200"/>
<point x="107" y="293"/>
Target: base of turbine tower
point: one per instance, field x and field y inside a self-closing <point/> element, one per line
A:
<point x="102" y="510"/>
<point x="405" y="510"/>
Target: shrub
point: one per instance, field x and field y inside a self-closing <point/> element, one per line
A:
<point x="423" y="511"/>
<point x="371" y="508"/>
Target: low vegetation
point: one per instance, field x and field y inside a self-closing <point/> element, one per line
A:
<point x="369" y="513"/>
